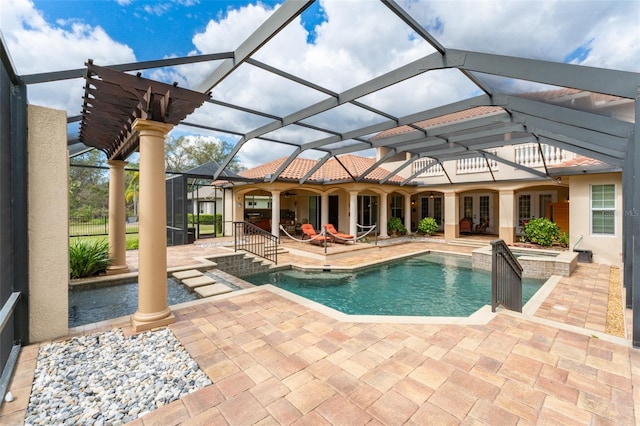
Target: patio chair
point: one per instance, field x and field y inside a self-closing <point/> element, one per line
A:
<point x="482" y="226"/>
<point x="309" y="232"/>
<point x="339" y="236"/>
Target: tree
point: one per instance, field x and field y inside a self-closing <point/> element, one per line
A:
<point x="187" y="152"/>
<point x="132" y="191"/>
<point x="88" y="185"/>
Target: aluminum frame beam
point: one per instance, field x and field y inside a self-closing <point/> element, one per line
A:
<point x="420" y="66"/>
<point x="600" y="80"/>
<point x="573" y="117"/>
<point x="275" y="23"/>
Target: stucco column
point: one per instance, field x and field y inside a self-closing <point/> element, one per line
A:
<point x="384" y="215"/>
<point x="353" y="212"/>
<point x="152" y="264"/>
<point x="507" y="230"/>
<point x="117" y="219"/>
<point x="324" y="210"/>
<point x="451" y="216"/>
<point x="275" y="213"/>
<point x="407" y="213"/>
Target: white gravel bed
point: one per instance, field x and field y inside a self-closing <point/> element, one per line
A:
<point x="109" y="379"/>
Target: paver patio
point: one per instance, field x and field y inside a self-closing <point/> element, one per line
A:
<point x="276" y="361"/>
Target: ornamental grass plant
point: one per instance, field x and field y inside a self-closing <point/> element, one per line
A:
<point x="88" y="258"/>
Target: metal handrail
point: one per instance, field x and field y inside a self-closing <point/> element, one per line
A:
<point x="506" y="278"/>
<point x="253" y="239"/>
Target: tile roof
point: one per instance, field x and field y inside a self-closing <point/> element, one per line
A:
<point x="438" y="121"/>
<point x="331" y="170"/>
<point x="551" y="96"/>
<point x="578" y="161"/>
<point x="566" y="94"/>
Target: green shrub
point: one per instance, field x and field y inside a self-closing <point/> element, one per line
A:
<point x="428" y="225"/>
<point x="132" y="244"/>
<point x="205" y="219"/>
<point x="218" y="223"/>
<point x="394" y="225"/>
<point x="541" y="231"/>
<point x="88" y="258"/>
<point x="563" y="239"/>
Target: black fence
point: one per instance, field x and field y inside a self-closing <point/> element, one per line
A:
<point x="91" y="226"/>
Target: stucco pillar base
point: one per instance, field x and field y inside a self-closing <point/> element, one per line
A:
<point x="117" y="269"/>
<point x="451" y="232"/>
<point x="508" y="234"/>
<point x="144" y="322"/>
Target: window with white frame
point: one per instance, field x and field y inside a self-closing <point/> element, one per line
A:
<point x="603" y="209"/>
<point x="396" y="206"/>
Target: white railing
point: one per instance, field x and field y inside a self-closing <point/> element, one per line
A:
<point x="476" y="165"/>
<point x="421" y="163"/>
<point x="529" y="155"/>
<point x="526" y="154"/>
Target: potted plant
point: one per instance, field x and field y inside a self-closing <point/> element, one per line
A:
<point x="395" y="226"/>
<point x="428" y="225"/>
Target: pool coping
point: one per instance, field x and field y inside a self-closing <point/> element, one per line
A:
<point x="481" y="317"/>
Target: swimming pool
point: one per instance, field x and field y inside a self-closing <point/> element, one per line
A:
<point x="89" y="305"/>
<point x="427" y="285"/>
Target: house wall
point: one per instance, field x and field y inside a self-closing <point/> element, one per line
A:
<point x="606" y="249"/>
<point x="48" y="203"/>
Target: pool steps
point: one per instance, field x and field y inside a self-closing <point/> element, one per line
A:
<point x="190" y="273"/>
<point x="198" y="281"/>
<point x="202" y="284"/>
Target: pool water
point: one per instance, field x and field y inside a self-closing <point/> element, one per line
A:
<point x="91" y="305"/>
<point x="427" y="285"/>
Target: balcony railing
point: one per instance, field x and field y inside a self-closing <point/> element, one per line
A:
<point x="476" y="164"/>
<point x="434" y="170"/>
<point x="529" y="155"/>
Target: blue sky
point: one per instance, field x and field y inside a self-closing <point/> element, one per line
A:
<point x="169" y="24"/>
<point x="336" y="44"/>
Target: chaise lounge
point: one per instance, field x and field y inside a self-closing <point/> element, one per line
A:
<point x="309" y="232"/>
<point x="339" y="236"/>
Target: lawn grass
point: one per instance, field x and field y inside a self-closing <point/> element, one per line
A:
<point x="132" y="240"/>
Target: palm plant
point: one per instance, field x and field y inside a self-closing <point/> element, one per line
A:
<point x="131" y="193"/>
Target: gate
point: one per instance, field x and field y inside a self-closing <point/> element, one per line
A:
<point x="177" y="230"/>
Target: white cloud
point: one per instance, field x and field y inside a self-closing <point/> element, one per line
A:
<point x="37" y="46"/>
<point x="549" y="30"/>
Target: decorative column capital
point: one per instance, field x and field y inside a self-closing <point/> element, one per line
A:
<point x="117" y="164"/>
<point x="149" y="126"/>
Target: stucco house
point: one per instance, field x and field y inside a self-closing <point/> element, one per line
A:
<point x="495" y="193"/>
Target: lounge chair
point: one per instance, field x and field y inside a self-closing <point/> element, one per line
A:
<point x="309" y="232"/>
<point x="482" y="227"/>
<point x="339" y="236"/>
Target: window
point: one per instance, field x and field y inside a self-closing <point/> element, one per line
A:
<point x="603" y="209"/>
<point x="468" y="207"/>
<point x="396" y="206"/>
<point x="424" y="207"/>
<point x="437" y="210"/>
<point x="484" y="208"/>
<point x="524" y="209"/>
<point x="544" y="201"/>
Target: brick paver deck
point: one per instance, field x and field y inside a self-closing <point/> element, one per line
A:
<point x="275" y="361"/>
